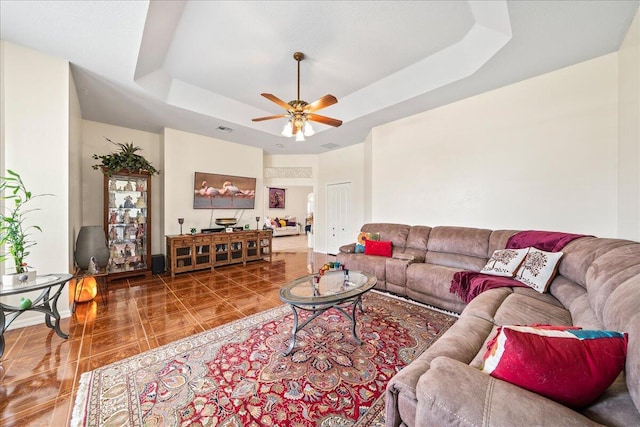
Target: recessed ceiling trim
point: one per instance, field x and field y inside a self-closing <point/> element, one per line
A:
<point x="490" y="32"/>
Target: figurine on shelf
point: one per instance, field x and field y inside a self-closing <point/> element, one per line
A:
<point x="113" y="217"/>
<point x="112" y="200"/>
<point x="130" y="231"/>
<point x="128" y="202"/>
<point x="112" y="185"/>
<point x="113" y="253"/>
<point x="93" y="265"/>
<point x="140" y="203"/>
<point x="141" y="219"/>
<point x="127" y="250"/>
<point x="126" y="218"/>
<point x="140" y="185"/>
<point x="128" y="186"/>
<point x="140" y="232"/>
<point x="113" y="234"/>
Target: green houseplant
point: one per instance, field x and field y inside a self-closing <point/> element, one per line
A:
<point x="124" y="160"/>
<point x="14" y="235"/>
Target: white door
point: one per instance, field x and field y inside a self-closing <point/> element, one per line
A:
<point x="338" y="210"/>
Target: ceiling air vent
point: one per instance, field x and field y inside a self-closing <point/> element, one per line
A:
<point x="224" y="129"/>
<point x="330" y="145"/>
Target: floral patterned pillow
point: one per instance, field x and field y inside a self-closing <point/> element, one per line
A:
<point x="505" y="262"/>
<point x="538" y="269"/>
<point x="362" y="237"/>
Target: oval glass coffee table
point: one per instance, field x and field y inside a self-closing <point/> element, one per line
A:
<point x="342" y="290"/>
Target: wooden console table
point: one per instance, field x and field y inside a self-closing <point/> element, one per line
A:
<point x="189" y="252"/>
<point x="44" y="303"/>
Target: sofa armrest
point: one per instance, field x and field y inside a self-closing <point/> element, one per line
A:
<point x="348" y="249"/>
<point x="483" y="400"/>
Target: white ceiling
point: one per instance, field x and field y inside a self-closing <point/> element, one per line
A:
<point x="198" y="65"/>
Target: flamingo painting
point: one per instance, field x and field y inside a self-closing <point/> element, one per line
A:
<point x="223" y="191"/>
<point x="206" y="191"/>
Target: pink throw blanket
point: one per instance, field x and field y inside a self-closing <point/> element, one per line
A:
<point x="469" y="284"/>
<point x="549" y="241"/>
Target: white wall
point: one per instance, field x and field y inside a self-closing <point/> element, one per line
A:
<point x="187" y="153"/>
<point x="94" y="142"/>
<point x="75" y="166"/>
<point x="36" y="116"/>
<point x="539" y="154"/>
<point x="629" y="134"/>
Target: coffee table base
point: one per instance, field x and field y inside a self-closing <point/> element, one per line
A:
<point x="318" y="310"/>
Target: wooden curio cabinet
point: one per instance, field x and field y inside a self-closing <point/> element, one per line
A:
<point x="127" y="223"/>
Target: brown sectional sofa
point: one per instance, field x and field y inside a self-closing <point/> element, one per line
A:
<point x="597" y="287"/>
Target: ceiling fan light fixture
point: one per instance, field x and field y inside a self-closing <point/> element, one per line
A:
<point x="300" y="112"/>
<point x="308" y="130"/>
<point x="287" y="130"/>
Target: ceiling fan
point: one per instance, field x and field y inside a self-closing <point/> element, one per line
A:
<point x="300" y="113"/>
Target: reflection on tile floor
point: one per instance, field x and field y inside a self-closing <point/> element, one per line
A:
<point x="39" y="371"/>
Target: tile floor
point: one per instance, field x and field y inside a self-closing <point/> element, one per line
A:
<point x="39" y="371"/>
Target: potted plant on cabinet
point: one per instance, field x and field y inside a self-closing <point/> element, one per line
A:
<point x="14" y="235"/>
<point x="124" y="160"/>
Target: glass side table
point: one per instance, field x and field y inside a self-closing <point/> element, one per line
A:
<point x="46" y="302"/>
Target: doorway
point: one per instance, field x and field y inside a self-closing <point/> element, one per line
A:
<point x="338" y="210"/>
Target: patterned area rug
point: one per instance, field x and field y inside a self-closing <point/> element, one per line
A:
<point x="236" y="375"/>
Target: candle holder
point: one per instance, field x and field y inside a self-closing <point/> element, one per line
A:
<point x="257" y="221"/>
<point x="180" y="221"/>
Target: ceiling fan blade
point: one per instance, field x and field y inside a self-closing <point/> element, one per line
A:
<point x="259" y="119"/>
<point x="324" y="120"/>
<point x="321" y="103"/>
<point x="277" y="100"/>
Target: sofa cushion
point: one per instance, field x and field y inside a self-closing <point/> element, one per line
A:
<point x="581" y="253"/>
<point x="504" y="262"/>
<point x="468" y="241"/>
<point x="378" y="248"/>
<point x="572" y="367"/>
<point x="363" y="236"/>
<point x="418" y="237"/>
<point x="425" y="284"/>
<point x="454" y="394"/>
<point x="538" y="269"/>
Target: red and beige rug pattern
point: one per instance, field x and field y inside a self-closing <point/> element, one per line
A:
<point x="236" y="375"/>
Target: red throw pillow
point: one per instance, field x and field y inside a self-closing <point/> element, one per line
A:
<point x="379" y="248"/>
<point x="571" y="366"/>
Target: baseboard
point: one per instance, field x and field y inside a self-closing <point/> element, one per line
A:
<point x="35" y="320"/>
